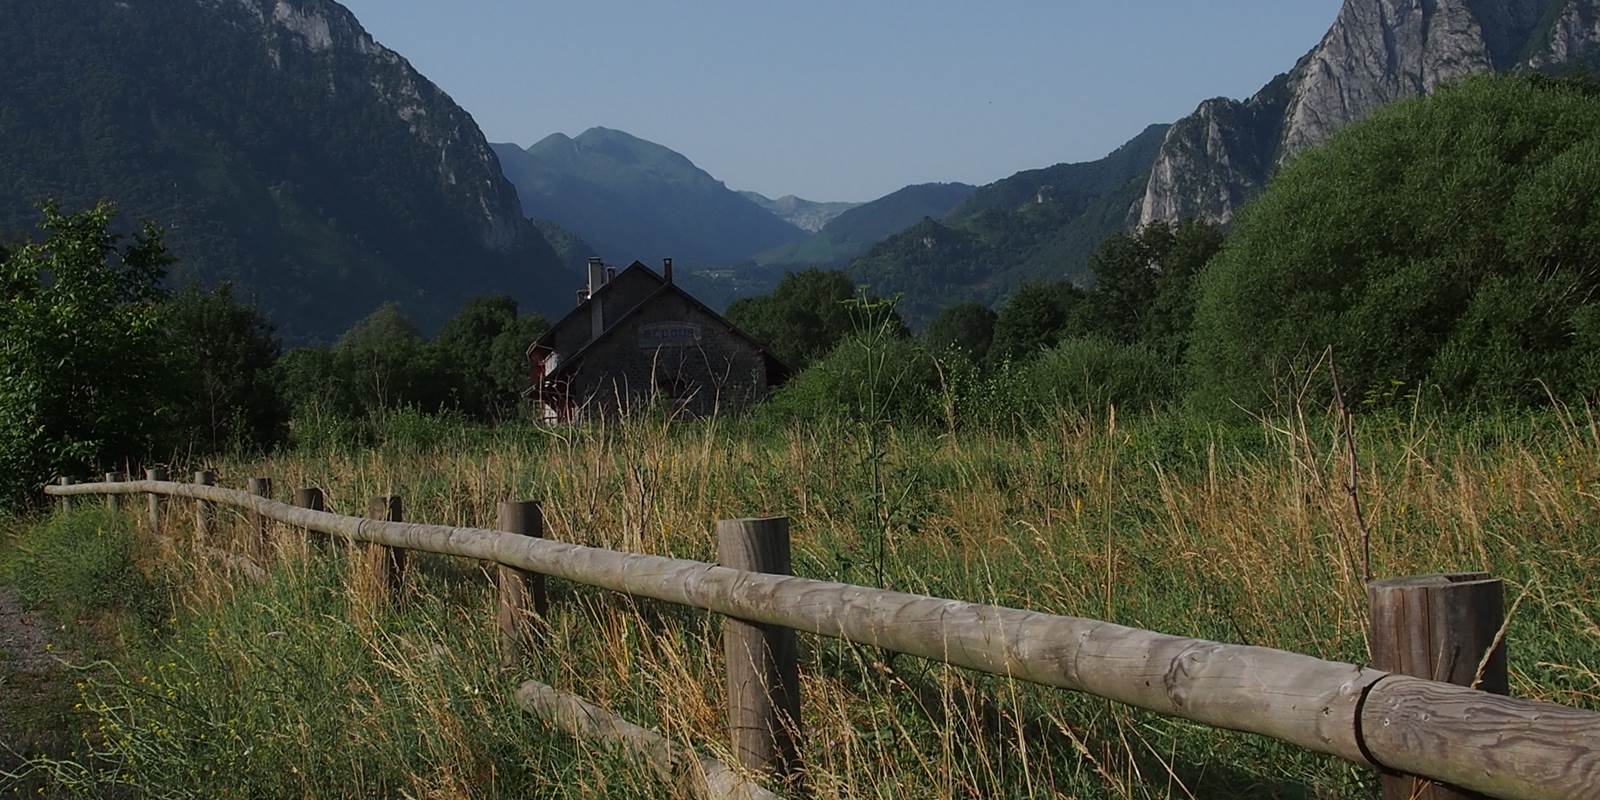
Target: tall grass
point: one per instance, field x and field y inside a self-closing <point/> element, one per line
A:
<point x="1243" y="534"/>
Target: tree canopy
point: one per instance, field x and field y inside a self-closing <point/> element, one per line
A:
<point x="1445" y="245"/>
<point x="809" y="313"/>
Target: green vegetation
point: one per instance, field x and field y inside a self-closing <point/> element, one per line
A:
<point x="319" y="183"/>
<point x="100" y="368"/>
<point x="1036" y="226"/>
<point x="1445" y="248"/>
<point x="302" y="686"/>
<point x="1065" y="454"/>
<point x="808" y="315"/>
<point x="855" y="231"/>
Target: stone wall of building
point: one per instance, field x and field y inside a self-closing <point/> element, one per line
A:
<point x="617" y="298"/>
<point x="672" y="353"/>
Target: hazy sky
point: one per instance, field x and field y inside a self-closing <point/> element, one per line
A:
<point x="848" y="100"/>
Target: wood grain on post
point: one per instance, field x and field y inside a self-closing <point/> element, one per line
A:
<point x="1443" y="628"/>
<point x="388" y="564"/>
<point x="310" y="497"/>
<point x="114" y="502"/>
<point x="521" y="594"/>
<point x="260" y="487"/>
<point x="762" y="660"/>
<point x="205" y="511"/>
<point x="153" y="501"/>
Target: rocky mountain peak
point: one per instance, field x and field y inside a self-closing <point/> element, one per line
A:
<point x="1376" y="52"/>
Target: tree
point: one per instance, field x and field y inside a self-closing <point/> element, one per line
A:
<point x="966" y="327"/>
<point x="484" y="349"/>
<point x="1144" y="284"/>
<point x="81" y="377"/>
<point x="223" y="354"/>
<point x="1036" y="318"/>
<point x="1446" y="244"/>
<point x="386" y="364"/>
<point x="807" y="315"/>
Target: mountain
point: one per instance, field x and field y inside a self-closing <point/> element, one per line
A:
<point x="573" y="252"/>
<point x="633" y="199"/>
<point x="851" y="233"/>
<point x="807" y="215"/>
<point x="285" y="150"/>
<point x="1376" y="52"/>
<point x="1040" y="225"/>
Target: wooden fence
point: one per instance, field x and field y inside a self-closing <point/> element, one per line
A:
<point x="1430" y="738"/>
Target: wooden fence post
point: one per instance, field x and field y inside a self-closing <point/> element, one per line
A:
<point x="114" y="501"/>
<point x="66" y="500"/>
<point x="388" y="563"/>
<point x="310" y="497"/>
<point x="1442" y="628"/>
<point x="205" y="511"/>
<point x="260" y="487"/>
<point x="521" y="594"/>
<point x="153" y="500"/>
<point x="763" y="660"/>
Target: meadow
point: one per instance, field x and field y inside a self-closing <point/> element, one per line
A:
<point x="197" y="682"/>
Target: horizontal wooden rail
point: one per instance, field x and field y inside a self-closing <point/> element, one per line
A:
<point x="1514" y="749"/>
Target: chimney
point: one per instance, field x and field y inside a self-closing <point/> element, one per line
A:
<point x="597" y="317"/>
<point x="666" y="269"/>
<point x="597" y="274"/>
<point x="611" y="274"/>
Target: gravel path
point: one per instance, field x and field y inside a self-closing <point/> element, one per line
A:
<point x="22" y="637"/>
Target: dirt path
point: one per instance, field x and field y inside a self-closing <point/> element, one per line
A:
<point x="34" y="691"/>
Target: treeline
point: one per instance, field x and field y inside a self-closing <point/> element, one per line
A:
<point x="101" y="366"/>
<point x="1443" y="254"/>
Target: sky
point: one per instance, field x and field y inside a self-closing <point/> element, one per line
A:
<point x="833" y="100"/>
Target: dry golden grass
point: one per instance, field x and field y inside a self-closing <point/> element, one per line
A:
<point x="1235" y="534"/>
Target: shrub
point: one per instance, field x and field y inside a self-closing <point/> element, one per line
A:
<point x="1446" y="242"/>
<point x="80" y="562"/>
<point x="872" y="379"/>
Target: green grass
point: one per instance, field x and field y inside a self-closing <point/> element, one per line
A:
<point x="301" y="687"/>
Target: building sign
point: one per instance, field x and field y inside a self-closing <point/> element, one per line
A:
<point x="668" y="334"/>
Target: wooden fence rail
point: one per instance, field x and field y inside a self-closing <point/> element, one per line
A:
<point x="1475" y="740"/>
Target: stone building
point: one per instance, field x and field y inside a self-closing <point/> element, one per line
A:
<point x="637" y="340"/>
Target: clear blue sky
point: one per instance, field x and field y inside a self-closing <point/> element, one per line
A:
<point x="835" y="100"/>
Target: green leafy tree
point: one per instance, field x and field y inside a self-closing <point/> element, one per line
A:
<point x="1144" y="284"/>
<point x="82" y="383"/>
<point x="386" y="363"/>
<point x="311" y="385"/>
<point x="966" y="328"/>
<point x="484" y="350"/>
<point x="1445" y="244"/>
<point x="1036" y="317"/>
<point x="223" y="353"/>
<point x="806" y="316"/>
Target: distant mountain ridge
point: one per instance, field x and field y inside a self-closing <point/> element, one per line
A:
<point x="1044" y="224"/>
<point x="1037" y="225"/>
<point x="633" y="199"/>
<point x="855" y="231"/>
<point x="807" y="215"/>
<point x="286" y="150"/>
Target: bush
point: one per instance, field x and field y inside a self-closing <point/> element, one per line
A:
<point x="866" y="378"/>
<point x="81" y="562"/>
<point x="1445" y="243"/>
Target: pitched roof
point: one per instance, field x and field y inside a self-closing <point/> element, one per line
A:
<point x="581" y="313"/>
<point x="782" y="370"/>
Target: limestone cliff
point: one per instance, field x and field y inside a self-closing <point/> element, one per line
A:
<point x="1376" y="52"/>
